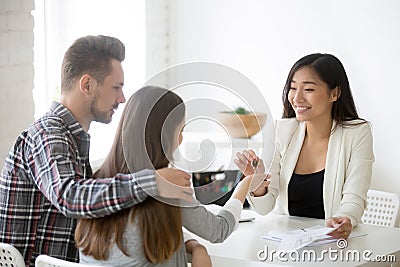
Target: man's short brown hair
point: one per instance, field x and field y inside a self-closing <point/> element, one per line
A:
<point x="90" y="55"/>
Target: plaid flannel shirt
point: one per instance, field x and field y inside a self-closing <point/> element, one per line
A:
<point x="43" y="188"/>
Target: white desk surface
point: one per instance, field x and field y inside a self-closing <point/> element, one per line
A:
<point x="240" y="249"/>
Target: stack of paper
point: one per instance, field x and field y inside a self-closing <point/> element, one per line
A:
<point x="296" y="239"/>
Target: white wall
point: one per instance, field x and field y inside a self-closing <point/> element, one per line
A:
<point x="16" y="70"/>
<point x="262" y="39"/>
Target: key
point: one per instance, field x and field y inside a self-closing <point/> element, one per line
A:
<point x="254" y="164"/>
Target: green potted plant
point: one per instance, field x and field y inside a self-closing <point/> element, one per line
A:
<point x="241" y="123"/>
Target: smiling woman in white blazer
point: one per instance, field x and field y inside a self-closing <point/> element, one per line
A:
<point x="321" y="140"/>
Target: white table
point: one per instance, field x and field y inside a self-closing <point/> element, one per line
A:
<point x="241" y="248"/>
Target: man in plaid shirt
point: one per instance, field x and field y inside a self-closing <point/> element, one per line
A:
<point x="46" y="180"/>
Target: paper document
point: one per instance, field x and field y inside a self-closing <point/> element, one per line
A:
<point x="311" y="236"/>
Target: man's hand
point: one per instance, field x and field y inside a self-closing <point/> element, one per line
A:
<point x="174" y="183"/>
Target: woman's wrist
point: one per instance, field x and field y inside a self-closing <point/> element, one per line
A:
<point x="242" y="189"/>
<point x="259" y="192"/>
<point x="261" y="189"/>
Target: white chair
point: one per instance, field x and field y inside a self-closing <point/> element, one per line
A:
<point x="10" y="256"/>
<point x="382" y="209"/>
<point x="48" y="261"/>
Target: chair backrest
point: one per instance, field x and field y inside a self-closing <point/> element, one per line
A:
<point x="10" y="256"/>
<point x="48" y="261"/>
<point x="382" y="209"/>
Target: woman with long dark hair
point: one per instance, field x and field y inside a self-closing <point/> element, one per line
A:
<point x="151" y="233"/>
<point x="323" y="158"/>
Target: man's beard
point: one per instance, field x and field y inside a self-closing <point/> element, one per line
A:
<point x="99" y="116"/>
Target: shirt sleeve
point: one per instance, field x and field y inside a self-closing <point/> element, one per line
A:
<point x="212" y="227"/>
<point x="234" y="206"/>
<point x="57" y="173"/>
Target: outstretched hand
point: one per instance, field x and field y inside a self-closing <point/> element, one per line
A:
<point x="244" y="162"/>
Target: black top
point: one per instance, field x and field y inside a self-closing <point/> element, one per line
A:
<point x="305" y="197"/>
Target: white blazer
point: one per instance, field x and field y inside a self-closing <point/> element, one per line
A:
<point x="348" y="170"/>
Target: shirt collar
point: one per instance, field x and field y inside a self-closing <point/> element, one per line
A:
<point x="70" y="122"/>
